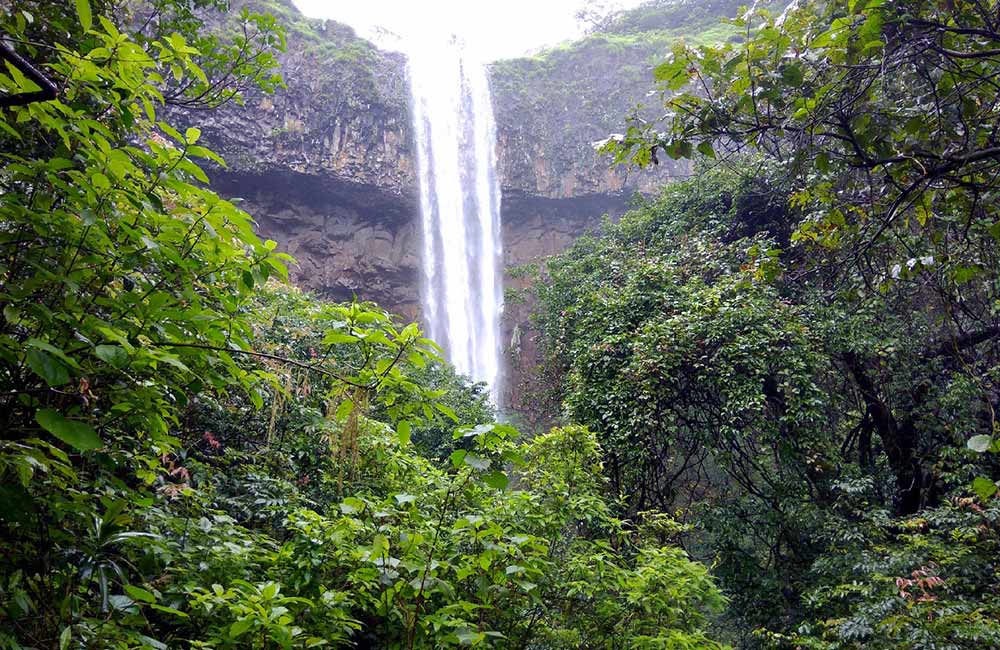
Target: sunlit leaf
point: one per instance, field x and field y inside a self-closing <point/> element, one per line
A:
<point x="84" y="14"/>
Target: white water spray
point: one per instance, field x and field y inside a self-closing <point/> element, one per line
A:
<point x="459" y="205"/>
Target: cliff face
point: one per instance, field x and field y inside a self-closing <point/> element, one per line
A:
<point x="551" y="108"/>
<point x="349" y="239"/>
<point x="327" y="165"/>
<point x="343" y="116"/>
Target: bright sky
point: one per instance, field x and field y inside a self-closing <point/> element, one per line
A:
<point x="496" y="28"/>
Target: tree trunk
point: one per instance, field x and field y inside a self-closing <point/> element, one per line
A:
<point x="899" y="439"/>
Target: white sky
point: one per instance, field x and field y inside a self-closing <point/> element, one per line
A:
<point x="496" y="28"/>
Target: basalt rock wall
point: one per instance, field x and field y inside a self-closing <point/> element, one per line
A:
<point x="326" y="164"/>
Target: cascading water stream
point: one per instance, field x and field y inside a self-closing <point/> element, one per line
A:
<point x="459" y="205"/>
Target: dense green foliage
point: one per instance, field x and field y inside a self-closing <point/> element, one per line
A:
<point x="798" y="349"/>
<point x="721" y="387"/>
<point x="195" y="456"/>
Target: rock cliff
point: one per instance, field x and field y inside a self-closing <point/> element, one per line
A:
<point x="552" y="107"/>
<point x="326" y="165"/>
<point x="343" y="115"/>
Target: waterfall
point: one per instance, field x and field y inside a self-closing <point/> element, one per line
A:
<point x="462" y="291"/>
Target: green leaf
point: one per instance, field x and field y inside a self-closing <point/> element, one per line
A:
<point x="65" y="638"/>
<point x="192" y="135"/>
<point x="53" y="371"/>
<point x="109" y="27"/>
<point x="74" y="433"/>
<point x="352" y="505"/>
<point x="168" y="610"/>
<point x="476" y="462"/>
<point x="984" y="488"/>
<point x="673" y="73"/>
<point x="140" y="594"/>
<point x="471" y="432"/>
<point x="83" y="11"/>
<point x="447" y="411"/>
<point x="343" y="410"/>
<point x="147" y="106"/>
<point x="171" y="131"/>
<point x="468" y="637"/>
<point x="113" y="355"/>
<point x="101" y="182"/>
<point x="153" y="643"/>
<point x="496" y="479"/>
<point x="53" y="350"/>
<point x="202" y="152"/>
<point x="979" y="444"/>
<point x="240" y="626"/>
<point x="333" y="338"/>
<point x="403" y="432"/>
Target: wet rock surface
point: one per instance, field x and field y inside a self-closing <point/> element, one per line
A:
<point x="350" y="240"/>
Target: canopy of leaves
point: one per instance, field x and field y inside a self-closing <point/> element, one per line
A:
<point x="808" y="349"/>
<point x="725" y="381"/>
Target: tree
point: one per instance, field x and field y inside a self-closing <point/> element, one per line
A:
<point x="882" y="116"/>
<point x="711" y="365"/>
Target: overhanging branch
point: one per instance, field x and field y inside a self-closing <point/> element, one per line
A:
<point x="48" y="89"/>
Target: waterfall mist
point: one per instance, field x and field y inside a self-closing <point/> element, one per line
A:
<point x="460" y="205"/>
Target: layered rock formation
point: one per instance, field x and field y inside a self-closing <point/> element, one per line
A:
<point x="551" y="109"/>
<point x="326" y="165"/>
<point x="349" y="239"/>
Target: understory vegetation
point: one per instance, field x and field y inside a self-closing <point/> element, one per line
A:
<point x="796" y="351"/>
<point x="779" y="378"/>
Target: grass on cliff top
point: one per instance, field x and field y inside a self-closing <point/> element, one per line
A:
<point x="629" y="34"/>
<point x="327" y="39"/>
<point x="654" y="15"/>
<point x="649" y="30"/>
<point x="648" y="47"/>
